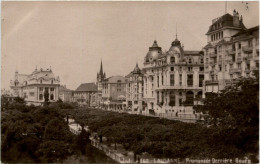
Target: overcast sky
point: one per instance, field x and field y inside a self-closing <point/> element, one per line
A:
<point x="73" y="37"/>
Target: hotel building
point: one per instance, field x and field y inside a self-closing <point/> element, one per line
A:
<point x="172" y="80"/>
<point x="232" y="52"/>
<point x="134" y="90"/>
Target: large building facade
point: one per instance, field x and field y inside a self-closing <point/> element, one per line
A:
<point x="113" y="93"/>
<point x="65" y="94"/>
<point x="232" y="52"/>
<point x="86" y="95"/>
<point x="172" y="80"/>
<point x="32" y="87"/>
<point x="134" y="90"/>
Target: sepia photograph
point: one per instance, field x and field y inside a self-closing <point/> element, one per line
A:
<point x="130" y="82"/>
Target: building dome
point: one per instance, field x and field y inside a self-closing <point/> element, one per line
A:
<point x="176" y="47"/>
<point x="136" y="70"/>
<point x="154" y="52"/>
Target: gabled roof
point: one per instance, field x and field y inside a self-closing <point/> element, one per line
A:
<point x="64" y="89"/>
<point x="87" y="87"/>
<point x="247" y="31"/>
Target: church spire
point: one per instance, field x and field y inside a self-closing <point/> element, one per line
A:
<point x="101" y="69"/>
<point x="176" y="31"/>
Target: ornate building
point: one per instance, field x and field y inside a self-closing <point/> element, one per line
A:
<point x="172" y="80"/>
<point x="100" y="78"/>
<point x="232" y="52"/>
<point x="134" y="90"/>
<point x="32" y="87"/>
<point x="114" y="92"/>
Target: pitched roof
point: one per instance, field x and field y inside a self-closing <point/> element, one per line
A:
<point x="64" y="89"/>
<point x="226" y="21"/>
<point x="247" y="31"/>
<point x="87" y="87"/>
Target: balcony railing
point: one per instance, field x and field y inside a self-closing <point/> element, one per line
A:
<point x="247" y="49"/>
<point x="231" y="51"/>
<point x="230" y="61"/>
<point x="212" y="63"/>
<point x="207" y="82"/>
<point x="235" y="70"/>
<point x="239" y="60"/>
<point x="220" y="61"/>
<point x="212" y="55"/>
<point x="247" y="70"/>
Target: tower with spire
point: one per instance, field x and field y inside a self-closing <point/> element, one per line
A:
<point x="100" y="75"/>
<point x="100" y="78"/>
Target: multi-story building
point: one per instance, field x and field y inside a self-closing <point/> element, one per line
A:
<point x="114" y="92"/>
<point x="86" y="94"/>
<point x="172" y="80"/>
<point x="65" y="94"/>
<point x="32" y="87"/>
<point x="100" y="78"/>
<point x="232" y="52"/>
<point x="134" y="90"/>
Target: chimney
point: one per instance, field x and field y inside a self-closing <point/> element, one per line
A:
<point x="235" y="18"/>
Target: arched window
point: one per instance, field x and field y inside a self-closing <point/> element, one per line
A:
<point x="190" y="61"/>
<point x="41" y="81"/>
<point x="172" y="59"/>
<point x="41" y="97"/>
<point x="199" y="95"/>
<point x="189" y="98"/>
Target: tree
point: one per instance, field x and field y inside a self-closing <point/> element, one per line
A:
<point x="83" y="140"/>
<point x="46" y="97"/>
<point x="234" y="113"/>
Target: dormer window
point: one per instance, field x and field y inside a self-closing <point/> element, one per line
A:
<point x="172" y="59"/>
<point x="41" y="81"/>
<point x="151" y="59"/>
<point x="51" y="81"/>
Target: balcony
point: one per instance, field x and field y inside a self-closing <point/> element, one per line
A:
<point x="210" y="82"/>
<point x="212" y="63"/>
<point x="256" y="58"/>
<point x="211" y="72"/>
<point x="234" y="70"/>
<point x="220" y="62"/>
<point x="230" y="61"/>
<point x="212" y="55"/>
<point x="247" y="70"/>
<point x="239" y="60"/>
<point x="247" y="49"/>
<point x="255" y="69"/>
<point x="231" y="51"/>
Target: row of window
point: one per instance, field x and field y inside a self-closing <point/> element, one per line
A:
<point x="41" y="89"/>
<point x="189" y="80"/>
<point x="217" y="36"/>
<point x="41" y="97"/>
<point x="172" y="102"/>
